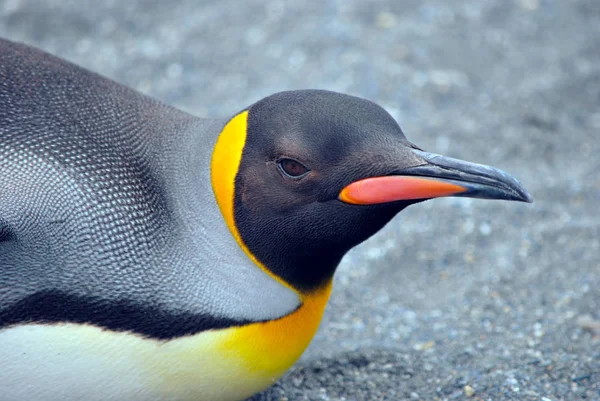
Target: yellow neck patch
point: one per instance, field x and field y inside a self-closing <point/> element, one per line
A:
<point x="267" y="349"/>
<point x="224" y="167"/>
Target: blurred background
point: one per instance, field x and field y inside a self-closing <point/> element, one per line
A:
<point x="455" y="298"/>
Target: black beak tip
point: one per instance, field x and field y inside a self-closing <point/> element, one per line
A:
<point x="519" y="193"/>
<point x="524" y="196"/>
<point x="479" y="181"/>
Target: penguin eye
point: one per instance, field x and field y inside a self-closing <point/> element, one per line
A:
<point x="292" y="168"/>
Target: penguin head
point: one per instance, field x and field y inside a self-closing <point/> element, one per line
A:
<point x="307" y="175"/>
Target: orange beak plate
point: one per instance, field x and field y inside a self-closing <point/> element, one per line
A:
<point x="375" y="190"/>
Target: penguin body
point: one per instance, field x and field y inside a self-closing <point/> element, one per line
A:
<point x="97" y="174"/>
<point x="146" y="254"/>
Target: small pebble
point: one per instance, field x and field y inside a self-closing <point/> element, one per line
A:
<point x="469" y="391"/>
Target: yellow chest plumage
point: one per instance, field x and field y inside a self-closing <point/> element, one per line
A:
<point x="245" y="359"/>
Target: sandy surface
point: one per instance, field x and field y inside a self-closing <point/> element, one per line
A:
<point x="455" y="297"/>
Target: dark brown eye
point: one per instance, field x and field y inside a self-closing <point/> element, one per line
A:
<point x="292" y="168"/>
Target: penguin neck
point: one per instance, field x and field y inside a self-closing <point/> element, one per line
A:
<point x="302" y="257"/>
<point x="213" y="259"/>
<point x="225" y="162"/>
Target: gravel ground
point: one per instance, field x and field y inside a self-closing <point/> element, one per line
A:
<point x="455" y="298"/>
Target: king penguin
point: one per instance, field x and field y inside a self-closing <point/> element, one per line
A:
<point x="146" y="254"/>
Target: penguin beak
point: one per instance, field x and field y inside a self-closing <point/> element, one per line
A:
<point x="438" y="176"/>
